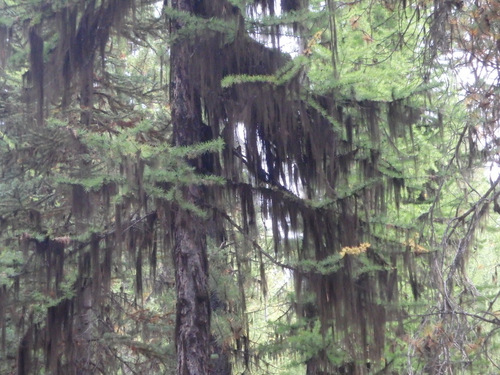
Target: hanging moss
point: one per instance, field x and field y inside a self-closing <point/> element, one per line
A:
<point x="37" y="71"/>
<point x="283" y="132"/>
<point x="296" y="159"/>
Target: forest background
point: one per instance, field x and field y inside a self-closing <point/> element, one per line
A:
<point x="236" y="187"/>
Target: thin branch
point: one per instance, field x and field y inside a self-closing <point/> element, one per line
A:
<point x="494" y="321"/>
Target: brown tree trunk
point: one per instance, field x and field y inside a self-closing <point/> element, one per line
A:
<point x="193" y="307"/>
<point x="189" y="253"/>
<point x="83" y="355"/>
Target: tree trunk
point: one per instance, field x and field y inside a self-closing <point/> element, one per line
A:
<point x="189" y="253"/>
<point x="83" y="356"/>
<point x="193" y="307"/>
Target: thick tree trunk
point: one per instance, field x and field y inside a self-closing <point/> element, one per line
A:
<point x="83" y="355"/>
<point x="189" y="253"/>
<point x="193" y="306"/>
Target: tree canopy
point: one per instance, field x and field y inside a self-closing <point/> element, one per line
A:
<point x="222" y="187"/>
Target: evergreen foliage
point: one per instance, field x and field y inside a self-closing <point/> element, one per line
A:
<point x="180" y="195"/>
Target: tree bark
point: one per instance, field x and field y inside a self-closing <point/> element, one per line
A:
<point x="189" y="253"/>
<point x="193" y="307"/>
